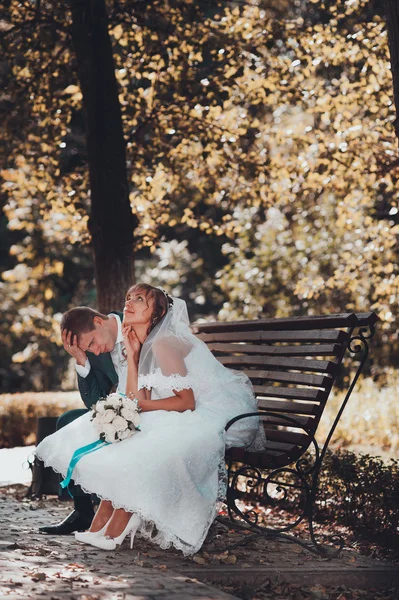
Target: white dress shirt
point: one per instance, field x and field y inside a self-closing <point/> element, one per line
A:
<point x="118" y="360"/>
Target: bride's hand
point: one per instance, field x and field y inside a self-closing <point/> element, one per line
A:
<point x="132" y="342"/>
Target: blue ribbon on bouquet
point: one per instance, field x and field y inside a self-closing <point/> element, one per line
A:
<point x="76" y="456"/>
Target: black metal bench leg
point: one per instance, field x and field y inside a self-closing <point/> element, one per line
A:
<point x="357" y="344"/>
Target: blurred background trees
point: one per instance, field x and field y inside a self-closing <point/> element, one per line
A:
<point x="261" y="162"/>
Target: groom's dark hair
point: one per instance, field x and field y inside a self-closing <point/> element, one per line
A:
<point x="80" y="320"/>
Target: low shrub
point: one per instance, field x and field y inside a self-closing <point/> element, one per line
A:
<point x="361" y="492"/>
<point x="358" y="491"/>
<point x="18" y="414"/>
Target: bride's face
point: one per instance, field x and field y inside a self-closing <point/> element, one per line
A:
<point x="138" y="308"/>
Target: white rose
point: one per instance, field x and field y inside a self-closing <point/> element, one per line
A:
<point x="108" y="415"/>
<point x="119" y="423"/>
<point x="129" y="403"/>
<point x="98" y="423"/>
<point x="100" y="407"/>
<point x="125" y="434"/>
<point x="115" y="401"/>
<point x="128" y="414"/>
<point x="136" y="419"/>
<point x="109" y="432"/>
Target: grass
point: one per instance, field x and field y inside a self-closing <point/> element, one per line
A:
<point x="370" y="421"/>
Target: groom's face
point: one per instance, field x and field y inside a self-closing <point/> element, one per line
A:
<point x="97" y="341"/>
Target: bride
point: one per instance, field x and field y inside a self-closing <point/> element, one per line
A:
<point x="166" y="481"/>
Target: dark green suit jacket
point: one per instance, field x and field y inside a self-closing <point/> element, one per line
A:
<point x="101" y="378"/>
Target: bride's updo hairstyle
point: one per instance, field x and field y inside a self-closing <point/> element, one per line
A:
<point x="162" y="302"/>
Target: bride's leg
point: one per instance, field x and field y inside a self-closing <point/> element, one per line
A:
<point x="102" y="516"/>
<point x="117" y="522"/>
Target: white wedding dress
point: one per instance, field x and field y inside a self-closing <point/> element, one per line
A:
<point x="172" y="471"/>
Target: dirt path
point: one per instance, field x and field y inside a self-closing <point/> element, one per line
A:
<point x="33" y="565"/>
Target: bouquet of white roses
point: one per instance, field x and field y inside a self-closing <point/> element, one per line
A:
<point x="116" y="417"/>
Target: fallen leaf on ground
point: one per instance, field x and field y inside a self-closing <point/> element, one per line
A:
<point x="139" y="563"/>
<point x="230" y="560"/>
<point x="352" y="559"/>
<point x="39" y="576"/>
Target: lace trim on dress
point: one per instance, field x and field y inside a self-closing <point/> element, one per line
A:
<point x="163" y="536"/>
<point x="222" y="484"/>
<point x="169" y="382"/>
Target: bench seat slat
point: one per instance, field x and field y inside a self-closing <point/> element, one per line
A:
<point x="272" y="445"/>
<point x="294" y="393"/>
<point x="285" y="406"/>
<point x="273" y="458"/>
<point x="270" y="458"/>
<point x="300" y="364"/>
<point x="300" y="350"/>
<point x="318" y="335"/>
<point x="276" y="452"/>
<point x="289" y="377"/>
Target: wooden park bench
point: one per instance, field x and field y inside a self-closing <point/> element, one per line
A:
<point x="293" y="365"/>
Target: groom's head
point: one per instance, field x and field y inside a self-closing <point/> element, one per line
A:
<point x="93" y="330"/>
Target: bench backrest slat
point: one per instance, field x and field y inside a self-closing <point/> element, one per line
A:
<point x="277" y="420"/>
<point x="342" y="320"/>
<point x="299" y="364"/>
<point x="294" y="393"/>
<point x="292" y="407"/>
<point x="283" y="350"/>
<point x="290" y="437"/>
<point x="310" y="379"/>
<point x="320" y="335"/>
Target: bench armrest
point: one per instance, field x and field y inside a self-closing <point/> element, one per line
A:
<point x="239" y="417"/>
<point x="291" y="421"/>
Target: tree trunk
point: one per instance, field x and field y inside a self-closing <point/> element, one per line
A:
<point x="111" y="222"/>
<point x="392" y="19"/>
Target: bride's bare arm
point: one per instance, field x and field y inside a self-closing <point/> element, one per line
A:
<point x="172" y="362"/>
<point x="183" y="400"/>
<point x="170" y="355"/>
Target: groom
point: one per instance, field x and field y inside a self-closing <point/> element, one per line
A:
<point x="95" y="341"/>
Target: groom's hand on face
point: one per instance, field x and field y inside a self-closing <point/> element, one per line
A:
<point x="71" y="346"/>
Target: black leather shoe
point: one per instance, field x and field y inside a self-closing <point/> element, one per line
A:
<point x="75" y="521"/>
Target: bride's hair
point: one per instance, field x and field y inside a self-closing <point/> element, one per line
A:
<point x="162" y="302"/>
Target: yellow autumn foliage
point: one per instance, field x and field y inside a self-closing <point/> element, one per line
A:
<point x="269" y="134"/>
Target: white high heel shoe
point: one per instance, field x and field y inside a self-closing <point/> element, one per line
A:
<point x="85" y="536"/>
<point x="109" y="543"/>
